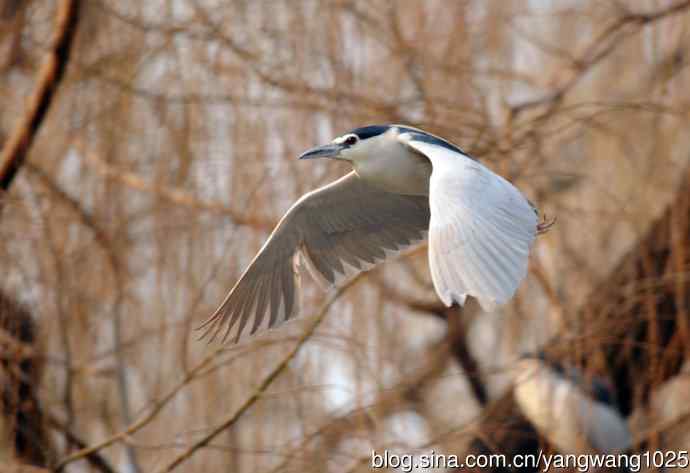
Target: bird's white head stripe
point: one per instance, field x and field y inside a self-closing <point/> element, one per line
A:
<point x="343" y="139"/>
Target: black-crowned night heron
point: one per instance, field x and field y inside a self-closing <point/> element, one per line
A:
<point x="406" y="182"/>
<point x="576" y="415"/>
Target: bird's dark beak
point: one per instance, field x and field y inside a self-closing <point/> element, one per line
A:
<point x="326" y="151"/>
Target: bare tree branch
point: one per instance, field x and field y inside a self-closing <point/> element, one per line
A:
<point x="49" y="77"/>
<point x="232" y="419"/>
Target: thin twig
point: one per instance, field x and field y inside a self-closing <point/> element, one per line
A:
<point x="95" y="459"/>
<point x="191" y="375"/>
<point x="172" y="195"/>
<point x="594" y="53"/>
<point x="231" y="419"/>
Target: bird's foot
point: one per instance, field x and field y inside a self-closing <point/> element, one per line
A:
<point x="545" y="225"/>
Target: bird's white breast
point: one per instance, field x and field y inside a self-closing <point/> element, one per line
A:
<point x="387" y="164"/>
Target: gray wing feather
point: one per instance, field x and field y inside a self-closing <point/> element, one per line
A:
<point x="340" y="229"/>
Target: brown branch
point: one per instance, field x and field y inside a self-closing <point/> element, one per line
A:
<point x="95" y="459"/>
<point x="172" y="195"/>
<point x="85" y="218"/>
<point x="145" y="420"/>
<point x="232" y="419"/>
<point x="311" y="97"/>
<point x="189" y="377"/>
<point x="594" y="53"/>
<point x="49" y="77"/>
<point x="457" y="319"/>
<point x="105" y="243"/>
<point x="392" y="400"/>
<point x="252" y="60"/>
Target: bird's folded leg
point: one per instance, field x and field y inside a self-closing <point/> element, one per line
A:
<point x="545" y="225"/>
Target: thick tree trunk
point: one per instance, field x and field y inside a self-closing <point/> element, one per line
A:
<point x="24" y="427"/>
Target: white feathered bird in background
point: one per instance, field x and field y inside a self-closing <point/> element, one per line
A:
<point x="576" y="415"/>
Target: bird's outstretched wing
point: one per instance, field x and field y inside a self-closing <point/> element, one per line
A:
<point x="340" y="229"/>
<point x="481" y="227"/>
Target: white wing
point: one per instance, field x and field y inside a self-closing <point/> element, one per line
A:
<point x="342" y="228"/>
<point x="481" y="228"/>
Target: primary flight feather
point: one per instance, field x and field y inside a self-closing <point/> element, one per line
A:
<point x="405" y="183"/>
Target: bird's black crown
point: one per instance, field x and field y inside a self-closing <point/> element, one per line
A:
<point x="370" y="131"/>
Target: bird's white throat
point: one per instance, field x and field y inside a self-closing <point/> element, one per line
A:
<point x="396" y="169"/>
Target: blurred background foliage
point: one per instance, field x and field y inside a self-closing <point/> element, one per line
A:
<point x="169" y="152"/>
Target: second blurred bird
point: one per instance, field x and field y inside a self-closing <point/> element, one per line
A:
<point x="576" y="415"/>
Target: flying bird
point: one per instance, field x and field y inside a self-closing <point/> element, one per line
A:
<point x="576" y="415"/>
<point x="406" y="183"/>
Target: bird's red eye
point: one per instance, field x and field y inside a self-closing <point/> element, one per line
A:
<point x="350" y="140"/>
